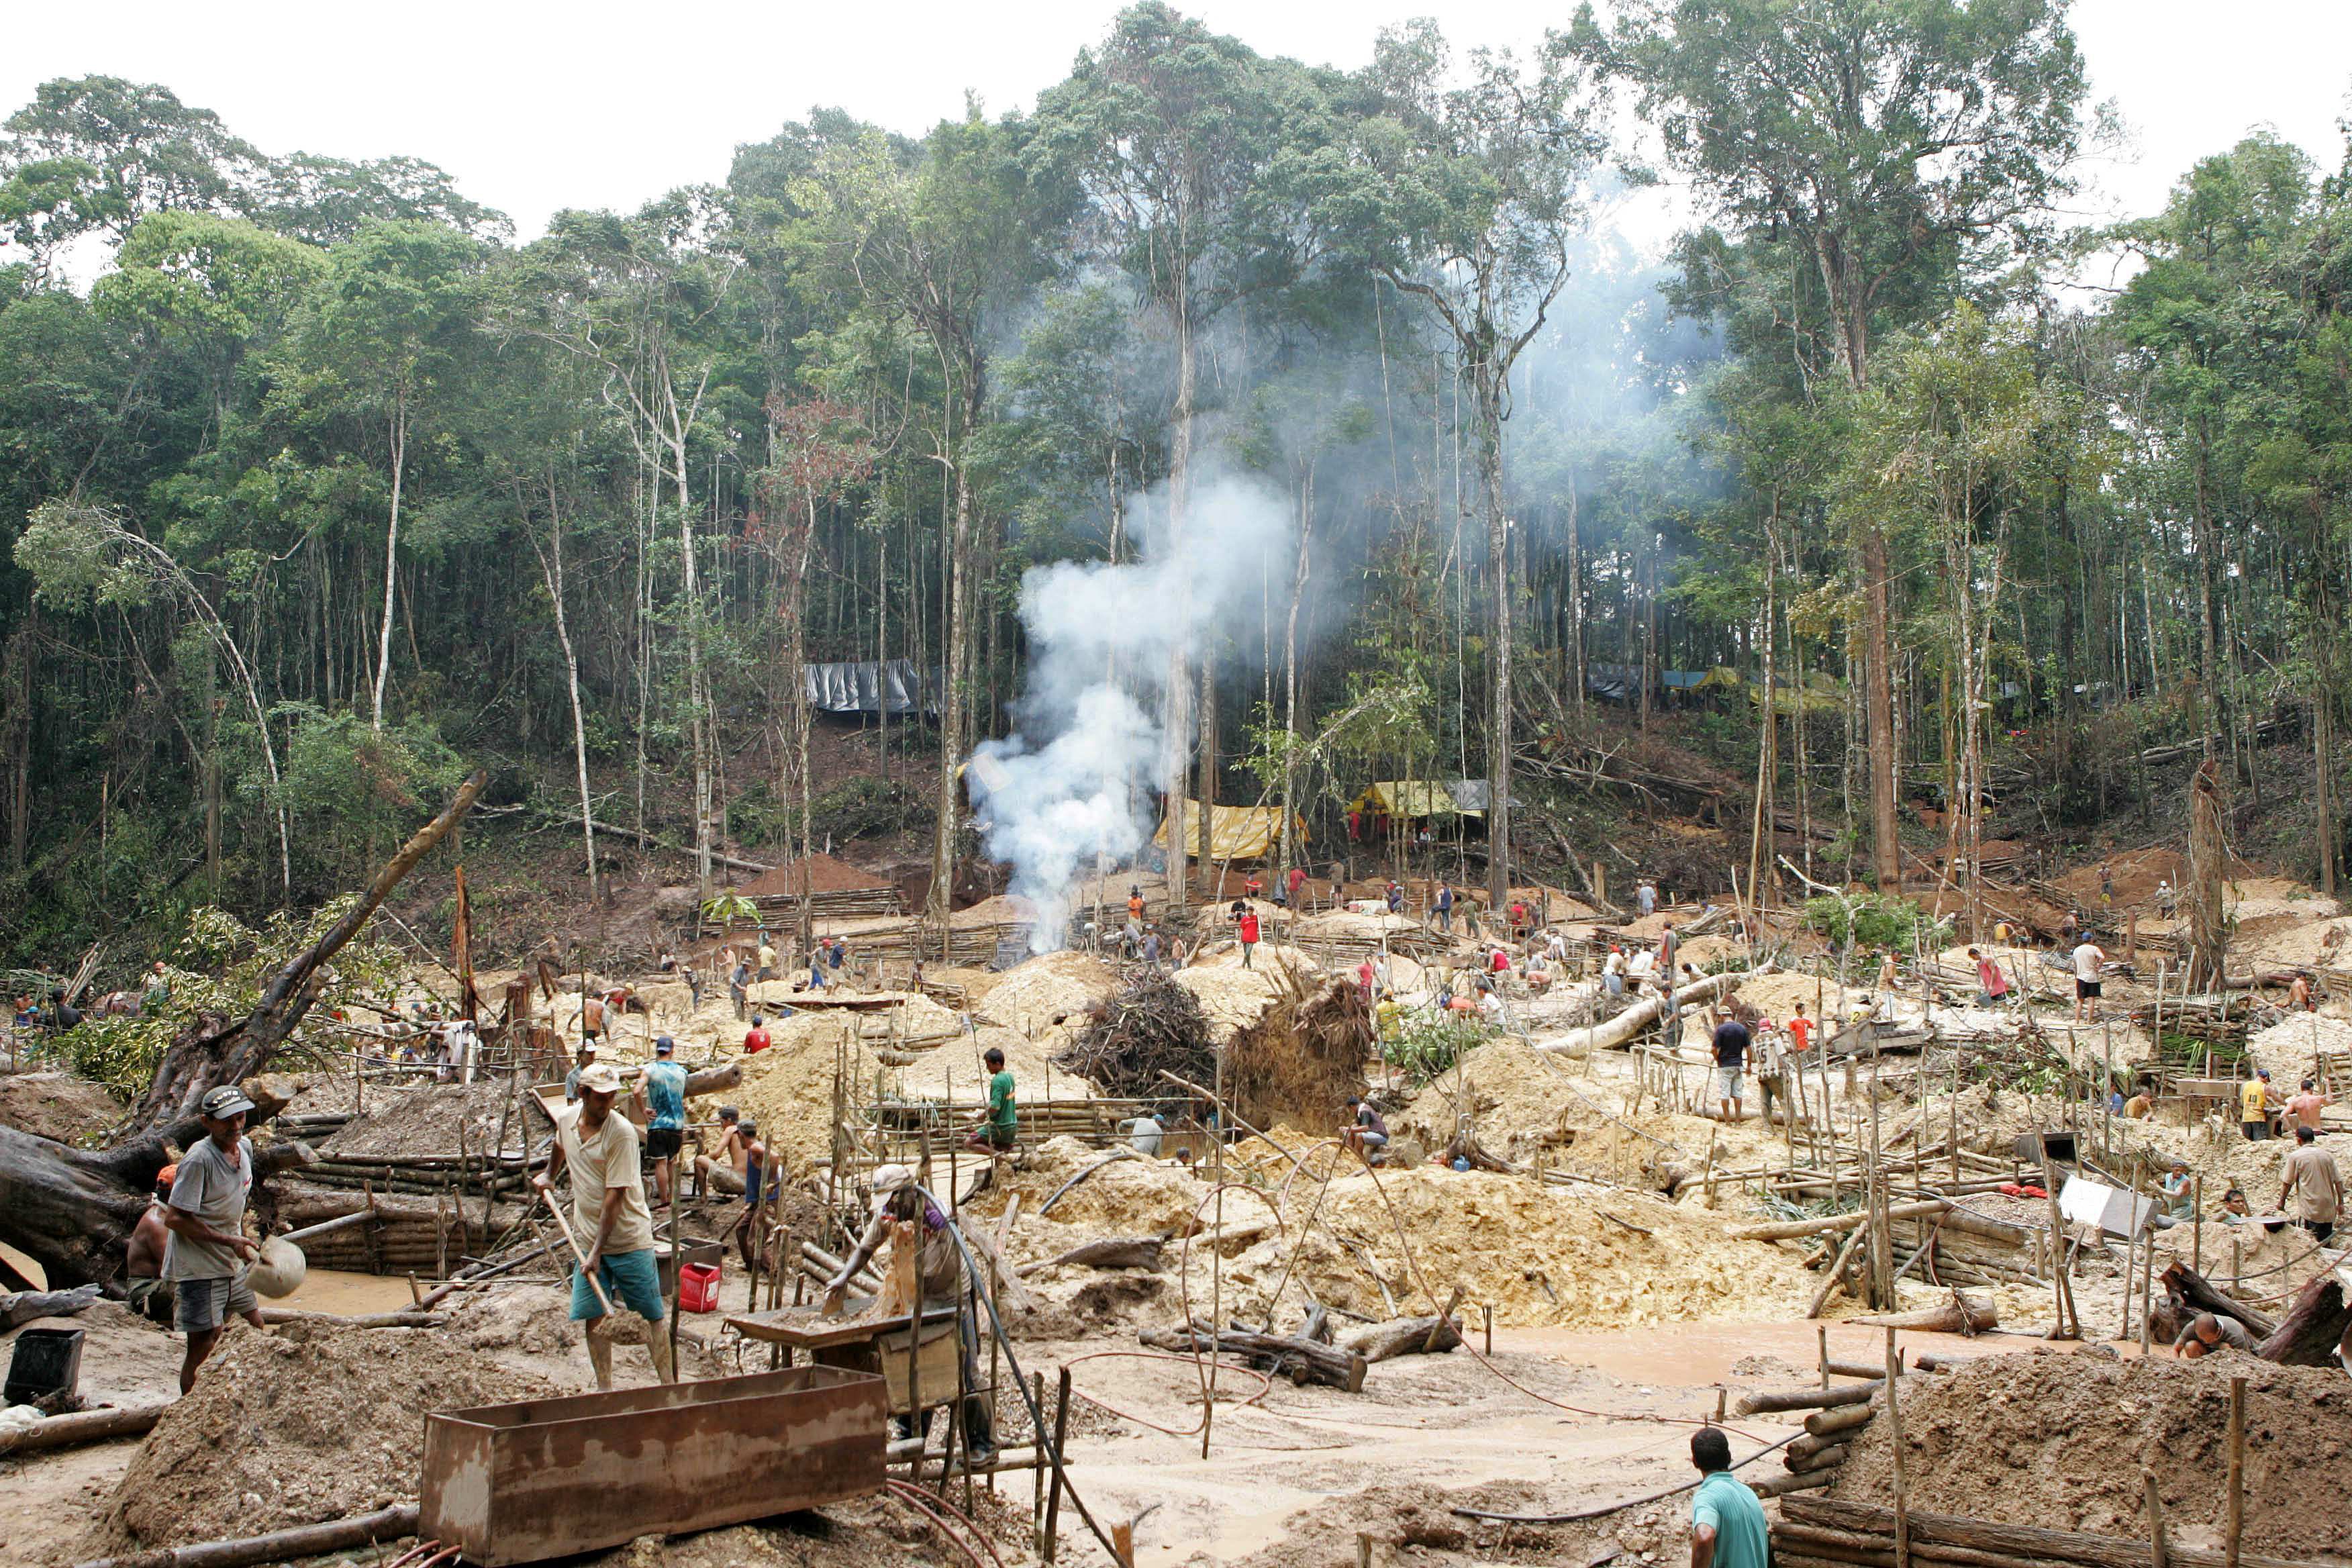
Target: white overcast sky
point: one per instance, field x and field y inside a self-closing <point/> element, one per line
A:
<point x="535" y="107"/>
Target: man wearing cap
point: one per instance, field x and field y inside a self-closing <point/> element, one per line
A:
<point x="207" y="1248"/>
<point x="939" y="1272"/>
<point x="665" y="1091"/>
<point x="581" y="1064"/>
<point x="609" y="1220"/>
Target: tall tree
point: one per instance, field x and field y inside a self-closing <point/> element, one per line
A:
<point x="1895" y="144"/>
<point x="1463" y="196"/>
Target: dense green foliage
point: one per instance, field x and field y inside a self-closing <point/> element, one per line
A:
<point x="323" y="489"/>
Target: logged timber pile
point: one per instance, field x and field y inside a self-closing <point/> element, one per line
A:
<point x="1153" y="1025"/>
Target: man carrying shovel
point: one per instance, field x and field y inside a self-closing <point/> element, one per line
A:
<point x="608" y="1210"/>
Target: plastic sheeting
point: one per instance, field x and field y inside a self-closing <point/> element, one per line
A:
<point x="870" y="686"/>
<point x="1415" y="798"/>
<point x="1236" y="832"/>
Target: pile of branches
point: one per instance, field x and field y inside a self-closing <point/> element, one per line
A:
<point x="1304" y="1056"/>
<point x="1153" y="1025"/>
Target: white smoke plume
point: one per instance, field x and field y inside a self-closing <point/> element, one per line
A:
<point x="1077" y="777"/>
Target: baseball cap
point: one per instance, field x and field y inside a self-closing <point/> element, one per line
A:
<point x="888" y="1180"/>
<point x="225" y="1102"/>
<point x="600" y="1079"/>
<point x="664" y="1044"/>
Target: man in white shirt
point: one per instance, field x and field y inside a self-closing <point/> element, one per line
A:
<point x="2088" y="956"/>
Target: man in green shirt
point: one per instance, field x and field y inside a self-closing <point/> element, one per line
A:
<point x="1728" y="1529"/>
<point x="1001" y="1121"/>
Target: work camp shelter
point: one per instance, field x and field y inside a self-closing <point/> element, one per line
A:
<point x="870" y="686"/>
<point x="1236" y="832"/>
<point x="1820" y="692"/>
<point x="1410" y="800"/>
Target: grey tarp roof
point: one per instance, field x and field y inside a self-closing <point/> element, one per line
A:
<point x="870" y="686"/>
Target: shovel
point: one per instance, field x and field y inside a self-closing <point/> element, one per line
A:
<point x="579" y="1257"/>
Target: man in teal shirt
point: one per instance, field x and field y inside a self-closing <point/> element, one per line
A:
<point x="665" y="1113"/>
<point x="1728" y="1529"/>
<point x="1001" y="1121"/>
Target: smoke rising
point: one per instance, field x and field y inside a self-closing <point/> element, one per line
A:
<point x="1077" y="777"/>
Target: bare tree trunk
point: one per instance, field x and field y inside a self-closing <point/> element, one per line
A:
<point x="551" y="567"/>
<point x="956" y="701"/>
<point x="1768" y="740"/>
<point x="391" y="552"/>
<point x="803" y="549"/>
<point x="1498" y="572"/>
<point x="2207" y="856"/>
<point x="1290" y="846"/>
<point x="1176" y="720"/>
<point x="1886" y="849"/>
<point x="698" y="687"/>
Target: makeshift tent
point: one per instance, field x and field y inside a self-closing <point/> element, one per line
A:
<point x="1820" y="693"/>
<point x="870" y="686"/>
<point x="1236" y="832"/>
<point x="1412" y="799"/>
<point x="1613" y="682"/>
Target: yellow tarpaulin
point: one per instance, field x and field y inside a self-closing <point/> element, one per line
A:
<point x="1820" y="693"/>
<point x="1412" y="798"/>
<point x="1236" y="832"/>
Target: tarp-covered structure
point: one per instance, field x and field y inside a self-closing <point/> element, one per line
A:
<point x="870" y="686"/>
<point x="1822" y="692"/>
<point x="1412" y="799"/>
<point x="1236" y="832"/>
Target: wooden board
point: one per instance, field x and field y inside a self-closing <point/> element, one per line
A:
<point x="807" y="1329"/>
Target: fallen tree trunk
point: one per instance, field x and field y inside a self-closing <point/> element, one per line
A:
<point x="1767" y="1402"/>
<point x="1300" y="1360"/>
<point x="411" y="1320"/>
<point x="1929" y="1530"/>
<point x="26" y="1305"/>
<point x="72" y="1210"/>
<point x="1828" y="1423"/>
<point x="1787" y="1230"/>
<point x="1426" y="1336"/>
<point x="82" y="1426"/>
<point x="1827" y="1457"/>
<point x="1139" y="1252"/>
<point x="2193" y="1293"/>
<point x="712" y="1080"/>
<point x="2313" y="1327"/>
<point x="279" y="1546"/>
<point x="1958" y="1316"/>
<point x="1625" y="1025"/>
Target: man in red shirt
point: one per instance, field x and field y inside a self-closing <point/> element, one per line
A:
<point x="1252" y="886"/>
<point x="1247" y="920"/>
<point x="1298" y="880"/>
<point x="755" y="1038"/>
<point x="1801" y="1030"/>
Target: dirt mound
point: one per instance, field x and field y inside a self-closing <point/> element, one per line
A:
<point x="425" y="1122"/>
<point x="825" y="875"/>
<point x="2060" y="1441"/>
<point x="1048" y="989"/>
<point x="56" y="1105"/>
<point x="307" y="1422"/>
<point x="1541" y="1256"/>
<point x="2287" y="1048"/>
<point x="1234" y="997"/>
<point x="869" y="1532"/>
<point x="1126" y="1197"/>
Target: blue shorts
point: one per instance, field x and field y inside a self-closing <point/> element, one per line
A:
<point x="630" y="1278"/>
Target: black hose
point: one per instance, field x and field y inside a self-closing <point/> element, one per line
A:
<point x="1614" y="1507"/>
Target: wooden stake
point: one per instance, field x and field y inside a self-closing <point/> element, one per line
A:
<point x="2156" y="1552"/>
<point x="1054" y="1489"/>
<point x="2236" y="1522"/>
<point x="1894" y="1430"/>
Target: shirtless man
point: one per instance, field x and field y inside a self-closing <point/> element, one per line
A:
<point x="150" y="1292"/>
<point x="721" y="1169"/>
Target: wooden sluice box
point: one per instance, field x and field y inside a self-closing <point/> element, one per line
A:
<point x="549" y="1477"/>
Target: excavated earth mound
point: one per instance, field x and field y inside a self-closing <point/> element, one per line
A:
<point x="56" y="1105"/>
<point x="2059" y="1441"/>
<point x="298" y="1424"/>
